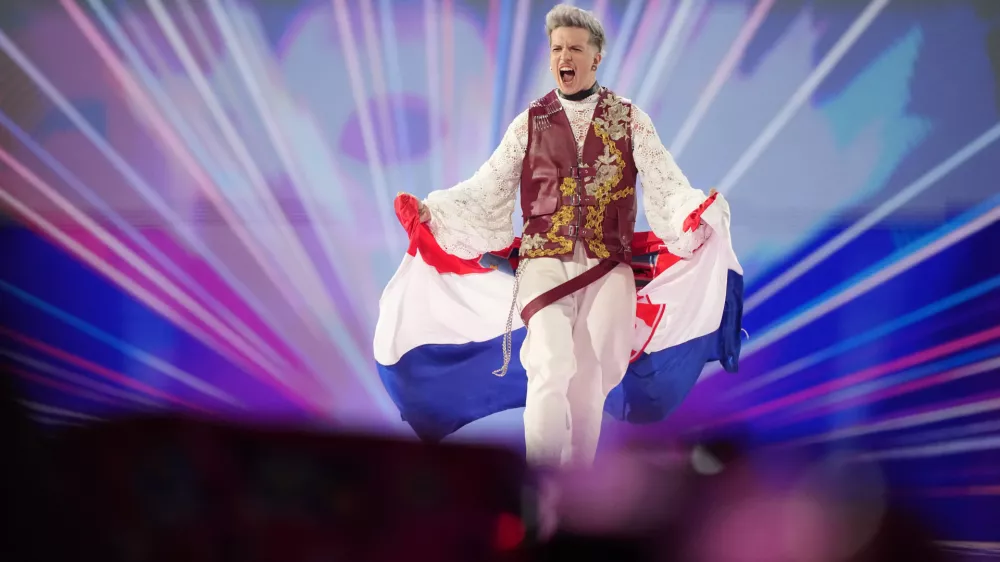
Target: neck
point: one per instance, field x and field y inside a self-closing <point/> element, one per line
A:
<point x="581" y="95"/>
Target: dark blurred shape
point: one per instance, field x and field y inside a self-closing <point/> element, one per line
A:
<point x="171" y="489"/>
<point x="168" y="489"/>
<point x="570" y="547"/>
<point x="902" y="536"/>
<point x="30" y="521"/>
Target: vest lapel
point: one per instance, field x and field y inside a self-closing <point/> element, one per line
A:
<point x="589" y="138"/>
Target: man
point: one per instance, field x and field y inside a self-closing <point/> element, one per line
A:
<point x="575" y="154"/>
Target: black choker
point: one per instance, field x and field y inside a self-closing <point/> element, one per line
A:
<point x="581" y="95"/>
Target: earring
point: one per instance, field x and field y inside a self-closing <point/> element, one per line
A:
<point x="594" y="67"/>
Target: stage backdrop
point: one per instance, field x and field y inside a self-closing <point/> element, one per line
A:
<point x="199" y="204"/>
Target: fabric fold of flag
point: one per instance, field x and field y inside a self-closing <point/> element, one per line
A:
<point x="442" y="320"/>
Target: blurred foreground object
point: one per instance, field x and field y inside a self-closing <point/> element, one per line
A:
<point x="177" y="490"/>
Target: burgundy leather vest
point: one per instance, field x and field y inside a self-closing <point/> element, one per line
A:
<point x="566" y="199"/>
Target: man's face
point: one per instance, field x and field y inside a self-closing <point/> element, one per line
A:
<point x="573" y="59"/>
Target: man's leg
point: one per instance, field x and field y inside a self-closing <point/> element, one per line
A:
<point x="547" y="356"/>
<point x="602" y="342"/>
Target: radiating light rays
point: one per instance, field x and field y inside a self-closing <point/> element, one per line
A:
<point x="49" y="421"/>
<point x="492" y="29"/>
<point x="200" y="135"/>
<point x="329" y="319"/>
<point x="144" y="357"/>
<point x="653" y="18"/>
<point x="658" y="69"/>
<point x="516" y="59"/>
<point x="286" y="250"/>
<point x="947" y="433"/>
<point x="802" y="95"/>
<point x="224" y="80"/>
<point x="962" y="446"/>
<point x="383" y="198"/>
<point x="600" y="9"/>
<point x="100" y="370"/>
<point x="230" y="44"/>
<point x="320" y="324"/>
<point x="136" y="262"/>
<point x="197" y="137"/>
<point x="154" y="199"/>
<point x="912" y="380"/>
<point x="868" y="374"/>
<point x="133" y="235"/>
<point x="950" y="234"/>
<point x="79" y="380"/>
<point x="721" y="75"/>
<point x="869" y="336"/>
<point x="872" y="218"/>
<point x="542" y="76"/>
<point x="59" y="412"/>
<point x="451" y="146"/>
<point x="984" y="547"/>
<point x="619" y="45"/>
<point x="434" y="87"/>
<point x="501" y="53"/>
<point x="262" y="98"/>
<point x="940" y="412"/>
<point x="380" y="87"/>
<point x="147" y="191"/>
<point x="394" y="72"/>
<point x="307" y="167"/>
<point x="62" y="387"/>
<point x="129" y="173"/>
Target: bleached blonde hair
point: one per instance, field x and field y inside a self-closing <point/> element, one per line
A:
<point x="564" y="15"/>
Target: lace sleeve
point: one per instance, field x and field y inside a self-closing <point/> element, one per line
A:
<point x="667" y="195"/>
<point x="474" y="217"/>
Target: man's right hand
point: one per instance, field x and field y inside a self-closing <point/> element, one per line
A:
<point x="425" y="213"/>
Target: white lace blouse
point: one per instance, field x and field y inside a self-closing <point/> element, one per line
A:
<point x="475" y="216"/>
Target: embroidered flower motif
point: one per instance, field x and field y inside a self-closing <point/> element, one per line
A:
<point x="532" y="242"/>
<point x="615" y="119"/>
<point x="607" y="167"/>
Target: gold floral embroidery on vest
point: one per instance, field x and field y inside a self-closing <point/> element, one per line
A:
<point x="607" y="167"/>
<point x="562" y="217"/>
<point x="531" y="242"/>
<point x="615" y="119"/>
<point x="610" y="168"/>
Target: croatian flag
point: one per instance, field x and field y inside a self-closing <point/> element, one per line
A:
<point x="442" y="321"/>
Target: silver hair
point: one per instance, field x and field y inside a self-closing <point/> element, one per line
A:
<point x="564" y="15"/>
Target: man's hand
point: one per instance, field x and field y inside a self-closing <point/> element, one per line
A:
<point x="693" y="221"/>
<point x="425" y="213"/>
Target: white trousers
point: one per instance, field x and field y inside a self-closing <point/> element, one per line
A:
<point x="577" y="349"/>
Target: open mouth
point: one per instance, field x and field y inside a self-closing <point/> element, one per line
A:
<point x="567" y="76"/>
